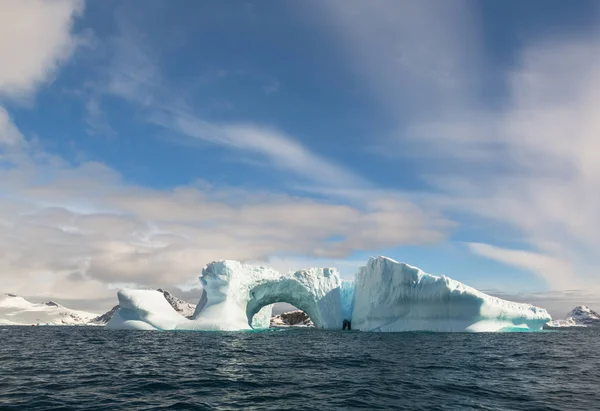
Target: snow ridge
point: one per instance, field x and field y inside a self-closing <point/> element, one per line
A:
<point x="15" y="310"/>
<point x="580" y="316"/>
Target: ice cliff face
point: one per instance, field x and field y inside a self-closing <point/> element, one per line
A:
<point x="384" y="296"/>
<point x="392" y="296"/>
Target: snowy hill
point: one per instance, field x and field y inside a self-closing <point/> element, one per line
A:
<point x="297" y="318"/>
<point x="584" y="315"/>
<point x="15" y="310"/>
<point x="105" y="318"/>
<point x="580" y="316"/>
<point x="182" y="307"/>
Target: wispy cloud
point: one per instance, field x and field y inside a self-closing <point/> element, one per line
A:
<point x="78" y="227"/>
<point x="81" y="227"/>
<point x="419" y="58"/>
<point x="135" y="76"/>
<point x="530" y="165"/>
<point x="553" y="270"/>
<point x="10" y="136"/>
<point x="272" y="87"/>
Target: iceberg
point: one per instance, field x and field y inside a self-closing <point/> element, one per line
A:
<point x="392" y="296"/>
<point x="237" y="296"/>
<point x="385" y="295"/>
<point x="145" y="310"/>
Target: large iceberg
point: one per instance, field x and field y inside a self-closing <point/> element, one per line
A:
<point x="391" y="296"/>
<point x="384" y="296"/>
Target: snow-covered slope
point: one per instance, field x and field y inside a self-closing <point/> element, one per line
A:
<point x="392" y="296"/>
<point x="182" y="307"/>
<point x="104" y="318"/>
<point x="584" y="315"/>
<point x="384" y="296"/>
<point x="580" y="316"/>
<point x="16" y="310"/>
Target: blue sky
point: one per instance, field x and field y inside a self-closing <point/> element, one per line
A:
<point x="140" y="141"/>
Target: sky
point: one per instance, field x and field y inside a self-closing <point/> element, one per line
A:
<point x="141" y="140"/>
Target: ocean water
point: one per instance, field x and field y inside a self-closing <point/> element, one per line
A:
<point x="77" y="368"/>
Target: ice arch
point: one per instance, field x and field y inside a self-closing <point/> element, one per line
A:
<point x="323" y="310"/>
<point x="243" y="294"/>
<point x="384" y="296"/>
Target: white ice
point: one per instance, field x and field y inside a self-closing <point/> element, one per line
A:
<point x="392" y="296"/>
<point x="384" y="296"/>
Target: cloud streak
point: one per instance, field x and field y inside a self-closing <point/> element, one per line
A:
<point x="135" y="76"/>
<point x="530" y="166"/>
<point x="80" y="227"/>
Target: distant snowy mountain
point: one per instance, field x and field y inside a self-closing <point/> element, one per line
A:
<point x="182" y="307"/>
<point x="15" y="310"/>
<point x="580" y="316"/>
<point x="105" y="318"/>
<point x="292" y="318"/>
<point x="584" y="315"/>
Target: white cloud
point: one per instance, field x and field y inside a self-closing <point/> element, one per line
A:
<point x="418" y="57"/>
<point x="530" y="167"/>
<point x="68" y="229"/>
<point x="539" y="166"/>
<point x="553" y="270"/>
<point x="35" y="38"/>
<point x="279" y="150"/>
<point x="10" y="136"/>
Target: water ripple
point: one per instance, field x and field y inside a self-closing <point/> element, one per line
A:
<point x="63" y="368"/>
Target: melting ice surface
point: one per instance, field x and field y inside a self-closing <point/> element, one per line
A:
<point x="384" y="296"/>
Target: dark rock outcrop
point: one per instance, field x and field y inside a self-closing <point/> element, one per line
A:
<point x="182" y="307"/>
<point x="292" y="318"/>
<point x="105" y="318"/>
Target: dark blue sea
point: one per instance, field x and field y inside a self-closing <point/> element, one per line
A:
<point x="73" y="368"/>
